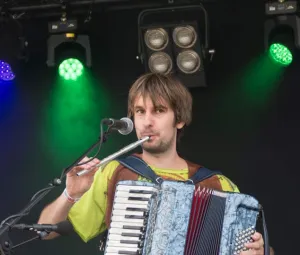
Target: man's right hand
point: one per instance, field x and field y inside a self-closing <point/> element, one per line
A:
<point x="77" y="185"/>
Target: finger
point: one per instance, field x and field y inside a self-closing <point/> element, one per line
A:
<point x="252" y="252"/>
<point x="91" y="170"/>
<point x="91" y="163"/>
<point x="256" y="236"/>
<point x="84" y="159"/>
<point x="94" y="162"/>
<point x="246" y="252"/>
<point x="255" y="245"/>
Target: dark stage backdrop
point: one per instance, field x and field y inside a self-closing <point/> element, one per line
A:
<point x="246" y="123"/>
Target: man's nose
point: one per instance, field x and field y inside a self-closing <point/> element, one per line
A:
<point x="148" y="120"/>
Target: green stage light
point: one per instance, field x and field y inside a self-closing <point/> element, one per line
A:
<point x="281" y="54"/>
<point x="70" y="69"/>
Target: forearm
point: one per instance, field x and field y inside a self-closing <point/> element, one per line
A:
<point x="55" y="212"/>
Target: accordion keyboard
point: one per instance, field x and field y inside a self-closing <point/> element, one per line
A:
<point x="129" y="219"/>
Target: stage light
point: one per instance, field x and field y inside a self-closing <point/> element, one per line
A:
<point x="184" y="36"/>
<point x="156" y="39"/>
<point x="71" y="69"/>
<point x="65" y="42"/>
<point x="6" y="73"/>
<point x="63" y="46"/>
<point x="13" y="47"/>
<point x="174" y="46"/>
<point x="282" y="35"/>
<point x="188" y="61"/>
<point x="160" y="62"/>
<point x="281" y="54"/>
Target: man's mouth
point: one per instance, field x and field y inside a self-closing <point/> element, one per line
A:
<point x="151" y="135"/>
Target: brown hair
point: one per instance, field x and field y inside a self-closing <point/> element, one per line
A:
<point x="166" y="87"/>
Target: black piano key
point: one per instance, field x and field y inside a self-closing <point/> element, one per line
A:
<point x="134" y="227"/>
<point x="138" y="243"/>
<point x="133" y="235"/>
<point x="138" y="252"/>
<point x="130" y="241"/>
<point x="145" y="211"/>
<point x="141" y="191"/>
<point x="138" y="198"/>
<point x="135" y="217"/>
<point x="136" y="209"/>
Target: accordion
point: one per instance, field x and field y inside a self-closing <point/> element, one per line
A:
<point x="174" y="218"/>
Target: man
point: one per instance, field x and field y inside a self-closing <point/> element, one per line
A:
<point x="160" y="107"/>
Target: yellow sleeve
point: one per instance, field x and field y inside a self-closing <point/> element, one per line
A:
<point x="88" y="214"/>
<point x="227" y="185"/>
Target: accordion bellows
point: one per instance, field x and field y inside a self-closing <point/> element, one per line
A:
<point x="174" y="218"/>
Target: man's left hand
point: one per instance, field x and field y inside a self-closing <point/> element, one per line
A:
<point x="256" y="247"/>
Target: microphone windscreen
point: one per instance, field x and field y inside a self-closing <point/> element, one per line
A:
<point x="64" y="228"/>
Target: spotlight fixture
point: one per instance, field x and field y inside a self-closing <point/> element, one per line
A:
<point x="282" y="35"/>
<point x="70" y="69"/>
<point x="13" y="46"/>
<point x="67" y="47"/>
<point x="174" y="47"/>
<point x="6" y="73"/>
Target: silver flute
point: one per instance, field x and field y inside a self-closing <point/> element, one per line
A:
<point x="116" y="154"/>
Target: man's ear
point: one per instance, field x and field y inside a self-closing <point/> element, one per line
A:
<point x="180" y="125"/>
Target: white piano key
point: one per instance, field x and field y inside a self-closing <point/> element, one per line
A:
<point x="132" y="202"/>
<point x="115" y="218"/>
<point x="127" y="194"/>
<point x="115" y="237"/>
<point x="121" y="230"/>
<point x="125" y="205"/>
<point x="127" y="188"/>
<point x="120" y="224"/>
<point x="125" y="212"/>
<point x="117" y="249"/>
<point x="121" y="245"/>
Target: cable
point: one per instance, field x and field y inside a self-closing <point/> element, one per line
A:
<point x="102" y="135"/>
<point x="26" y="212"/>
<point x="99" y="148"/>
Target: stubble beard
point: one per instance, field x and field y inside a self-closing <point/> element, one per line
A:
<point x="160" y="148"/>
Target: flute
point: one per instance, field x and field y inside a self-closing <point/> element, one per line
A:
<point x="116" y="154"/>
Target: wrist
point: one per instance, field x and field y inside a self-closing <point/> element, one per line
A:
<point x="70" y="199"/>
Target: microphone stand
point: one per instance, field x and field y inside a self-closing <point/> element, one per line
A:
<point x="5" y="244"/>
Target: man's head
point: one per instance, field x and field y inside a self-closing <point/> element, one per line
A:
<point x="160" y="106"/>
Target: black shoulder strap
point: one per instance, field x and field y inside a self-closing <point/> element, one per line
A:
<point x="202" y="174"/>
<point x="140" y="167"/>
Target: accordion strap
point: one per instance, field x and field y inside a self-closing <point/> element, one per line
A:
<point x="140" y="167"/>
<point x="202" y="174"/>
<point x="265" y="234"/>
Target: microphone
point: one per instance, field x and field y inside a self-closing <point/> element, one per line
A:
<point x="62" y="228"/>
<point x="124" y="125"/>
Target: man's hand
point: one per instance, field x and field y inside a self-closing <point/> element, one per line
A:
<point x="256" y="247"/>
<point x="77" y="185"/>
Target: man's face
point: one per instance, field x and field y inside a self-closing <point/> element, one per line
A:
<point x="157" y="122"/>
